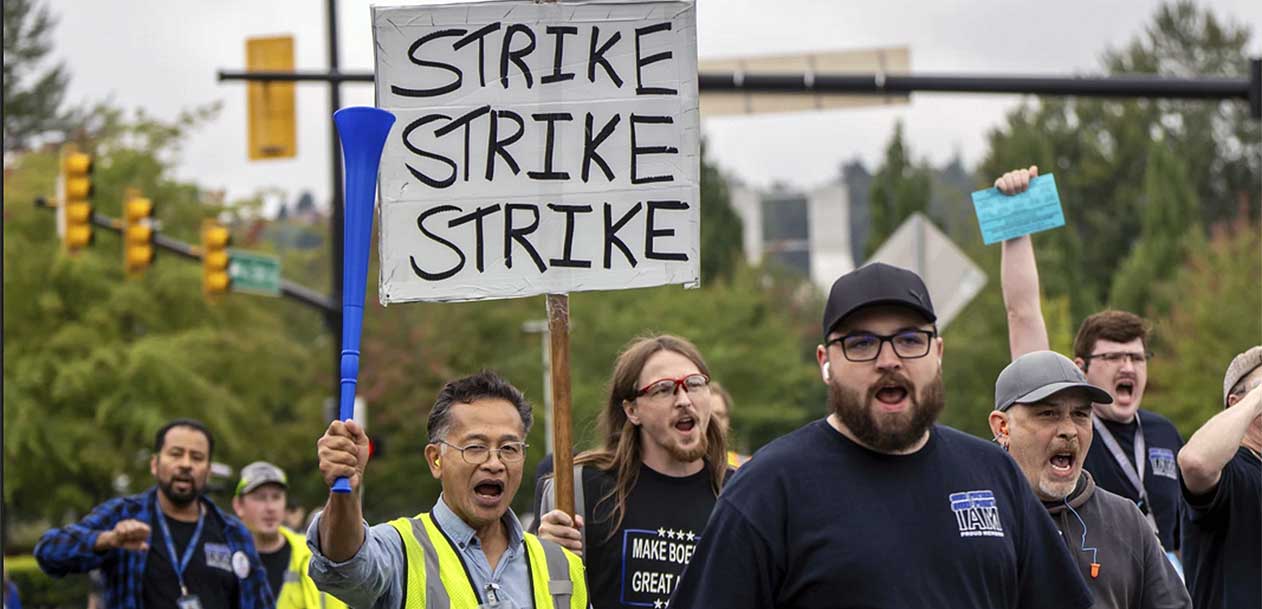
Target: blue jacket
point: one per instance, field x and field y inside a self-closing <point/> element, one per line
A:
<point x="69" y="550"/>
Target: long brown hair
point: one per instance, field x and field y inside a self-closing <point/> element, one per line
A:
<point x="621" y="451"/>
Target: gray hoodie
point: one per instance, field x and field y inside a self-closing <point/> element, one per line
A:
<point x="1134" y="572"/>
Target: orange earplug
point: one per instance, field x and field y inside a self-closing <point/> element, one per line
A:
<point x="1095" y="570"/>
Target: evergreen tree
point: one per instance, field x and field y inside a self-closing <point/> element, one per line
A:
<point x="721" y="230"/>
<point x="33" y="92"/>
<point x="899" y="189"/>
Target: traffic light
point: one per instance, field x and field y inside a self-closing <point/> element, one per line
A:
<point x="270" y="105"/>
<point x="215" y="258"/>
<point x="137" y="233"/>
<point x="74" y="209"/>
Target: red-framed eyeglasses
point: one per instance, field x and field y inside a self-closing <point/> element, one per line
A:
<point x="661" y="388"/>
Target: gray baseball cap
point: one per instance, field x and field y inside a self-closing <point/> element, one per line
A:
<point x="1036" y="376"/>
<point x="257" y="474"/>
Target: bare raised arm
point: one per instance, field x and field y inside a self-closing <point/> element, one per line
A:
<point x="1019" y="278"/>
<point x="1202" y="459"/>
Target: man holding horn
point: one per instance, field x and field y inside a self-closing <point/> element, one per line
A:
<point x="469" y="550"/>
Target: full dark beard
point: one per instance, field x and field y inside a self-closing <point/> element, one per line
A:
<point x="897" y="434"/>
<point x="180" y="499"/>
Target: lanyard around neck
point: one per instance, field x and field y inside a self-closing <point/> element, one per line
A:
<point x="1134" y="472"/>
<point x="183" y="561"/>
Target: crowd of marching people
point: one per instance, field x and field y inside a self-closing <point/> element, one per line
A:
<point x="1085" y="496"/>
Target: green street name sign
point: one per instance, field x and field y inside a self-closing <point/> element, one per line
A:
<point x="254" y="273"/>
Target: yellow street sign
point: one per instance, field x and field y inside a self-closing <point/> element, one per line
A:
<point x="270" y="105"/>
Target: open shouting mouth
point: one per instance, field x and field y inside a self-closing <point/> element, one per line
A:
<point x="892" y="396"/>
<point x="489" y="492"/>
<point x="685" y="423"/>
<point x="1063" y="462"/>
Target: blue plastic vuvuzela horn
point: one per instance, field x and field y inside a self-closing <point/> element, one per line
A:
<point x="363" y="132"/>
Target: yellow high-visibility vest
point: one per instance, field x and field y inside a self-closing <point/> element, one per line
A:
<point x="437" y="578"/>
<point x="298" y="591"/>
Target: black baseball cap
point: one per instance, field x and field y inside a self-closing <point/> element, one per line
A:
<point x="876" y="284"/>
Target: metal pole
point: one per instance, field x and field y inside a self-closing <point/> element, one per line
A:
<point x="1248" y="88"/>
<point x="288" y="289"/>
<point x="546" y="343"/>
<point x="540" y="327"/>
<point x="337" y="215"/>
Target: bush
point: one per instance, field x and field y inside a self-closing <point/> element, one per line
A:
<point x="38" y="590"/>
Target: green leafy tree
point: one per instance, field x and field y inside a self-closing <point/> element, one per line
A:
<point x="1100" y="150"/>
<point x="899" y="189"/>
<point x="720" y="226"/>
<point x="1216" y="312"/>
<point x="1170" y="226"/>
<point x="756" y="332"/>
<point x="94" y="363"/>
<point x="33" y="93"/>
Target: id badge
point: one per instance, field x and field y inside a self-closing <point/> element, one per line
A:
<point x="189" y="601"/>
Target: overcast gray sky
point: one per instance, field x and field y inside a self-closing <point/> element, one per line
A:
<point x="163" y="56"/>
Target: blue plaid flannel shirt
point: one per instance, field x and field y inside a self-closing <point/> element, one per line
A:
<point x="69" y="550"/>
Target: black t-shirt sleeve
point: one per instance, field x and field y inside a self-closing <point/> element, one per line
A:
<point x="1050" y="578"/>
<point x="1211" y="507"/>
<point x="718" y="576"/>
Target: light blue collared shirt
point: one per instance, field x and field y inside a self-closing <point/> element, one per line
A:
<point x="375" y="576"/>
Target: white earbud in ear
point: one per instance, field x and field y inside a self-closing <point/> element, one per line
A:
<point x="825" y="372"/>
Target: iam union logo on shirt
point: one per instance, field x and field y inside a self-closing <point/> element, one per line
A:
<point x="976" y="514"/>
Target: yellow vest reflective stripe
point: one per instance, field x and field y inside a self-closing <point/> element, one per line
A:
<point x="299" y="591"/>
<point x="437" y="579"/>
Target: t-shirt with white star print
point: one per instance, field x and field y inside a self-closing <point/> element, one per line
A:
<point x="639" y="564"/>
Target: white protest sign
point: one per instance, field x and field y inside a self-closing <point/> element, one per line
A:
<point x="539" y="148"/>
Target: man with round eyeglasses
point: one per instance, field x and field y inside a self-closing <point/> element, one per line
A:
<point x="469" y="550"/>
<point x="643" y="497"/>
<point x="876" y="505"/>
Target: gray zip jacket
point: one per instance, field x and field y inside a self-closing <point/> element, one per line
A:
<point x="1134" y="572"/>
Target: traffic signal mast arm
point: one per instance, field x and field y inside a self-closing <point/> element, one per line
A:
<point x="288" y="289"/>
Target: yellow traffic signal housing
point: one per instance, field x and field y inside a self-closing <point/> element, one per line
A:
<point x="270" y="105"/>
<point x="215" y="258"/>
<point x="137" y="233"/>
<point x="75" y="201"/>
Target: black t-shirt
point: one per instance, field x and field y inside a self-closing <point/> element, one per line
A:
<point x="276" y="563"/>
<point x="1222" y="538"/>
<point x="209" y="575"/>
<point x="640" y="563"/>
<point x="1161" y="471"/>
<point x="815" y="520"/>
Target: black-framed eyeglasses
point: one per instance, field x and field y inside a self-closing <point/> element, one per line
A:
<point x="477" y="454"/>
<point x="865" y="346"/>
<point x="1117" y="357"/>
